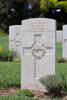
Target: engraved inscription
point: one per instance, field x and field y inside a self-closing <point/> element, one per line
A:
<point x="38" y="51"/>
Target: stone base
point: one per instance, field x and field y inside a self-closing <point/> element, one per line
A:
<point x="33" y="85"/>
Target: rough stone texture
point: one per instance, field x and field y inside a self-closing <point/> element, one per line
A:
<point x="64" y="41"/>
<point x="38" y="51"/>
<point x="59" y="36"/>
<point x="15" y="39"/>
<point x="13" y="36"/>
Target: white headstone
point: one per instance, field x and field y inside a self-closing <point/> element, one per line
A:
<point x="15" y="39"/>
<point x="38" y="51"/>
<point x="64" y="41"/>
<point x="59" y="36"/>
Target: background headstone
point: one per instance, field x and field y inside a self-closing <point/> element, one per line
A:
<point x="64" y="41"/>
<point x="15" y="39"/>
<point x="59" y="36"/>
<point x="38" y="51"/>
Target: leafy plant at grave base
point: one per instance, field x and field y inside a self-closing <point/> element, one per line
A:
<point x="12" y="54"/>
<point x="17" y="59"/>
<point x="61" y="60"/>
<point x="53" y="84"/>
<point x="7" y="55"/>
<point x="24" y="93"/>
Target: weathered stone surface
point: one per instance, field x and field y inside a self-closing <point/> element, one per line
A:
<point x="15" y="39"/>
<point x="38" y="51"/>
<point x="64" y="41"/>
<point x="59" y="34"/>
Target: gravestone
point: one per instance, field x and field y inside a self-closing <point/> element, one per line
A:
<point x="38" y="51"/>
<point x="15" y="39"/>
<point x="59" y="36"/>
<point x="64" y="41"/>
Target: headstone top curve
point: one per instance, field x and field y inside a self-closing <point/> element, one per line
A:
<point x="38" y="19"/>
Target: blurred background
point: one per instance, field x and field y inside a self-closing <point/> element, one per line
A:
<point x="12" y="12"/>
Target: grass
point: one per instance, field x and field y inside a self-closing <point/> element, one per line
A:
<point x="2" y="34"/>
<point x="10" y="74"/>
<point x="61" y="68"/>
<point x="24" y="98"/>
<point x="59" y="50"/>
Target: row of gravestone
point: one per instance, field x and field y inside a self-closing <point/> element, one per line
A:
<point x="35" y="42"/>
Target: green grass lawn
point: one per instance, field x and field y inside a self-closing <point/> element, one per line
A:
<point x="24" y="98"/>
<point x="59" y="50"/>
<point x="61" y="68"/>
<point x="10" y="72"/>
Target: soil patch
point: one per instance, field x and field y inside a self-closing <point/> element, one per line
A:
<point x="37" y="94"/>
<point x="9" y="91"/>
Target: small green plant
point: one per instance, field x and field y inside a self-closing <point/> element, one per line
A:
<point x="0" y="49"/>
<point x="53" y="84"/>
<point x="7" y="55"/>
<point x="12" y="54"/>
<point x="24" y="93"/>
<point x="17" y="59"/>
<point x="61" y="60"/>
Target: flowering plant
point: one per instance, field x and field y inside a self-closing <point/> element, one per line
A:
<point x="0" y="48"/>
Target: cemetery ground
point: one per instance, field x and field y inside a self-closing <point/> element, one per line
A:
<point x="10" y="74"/>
